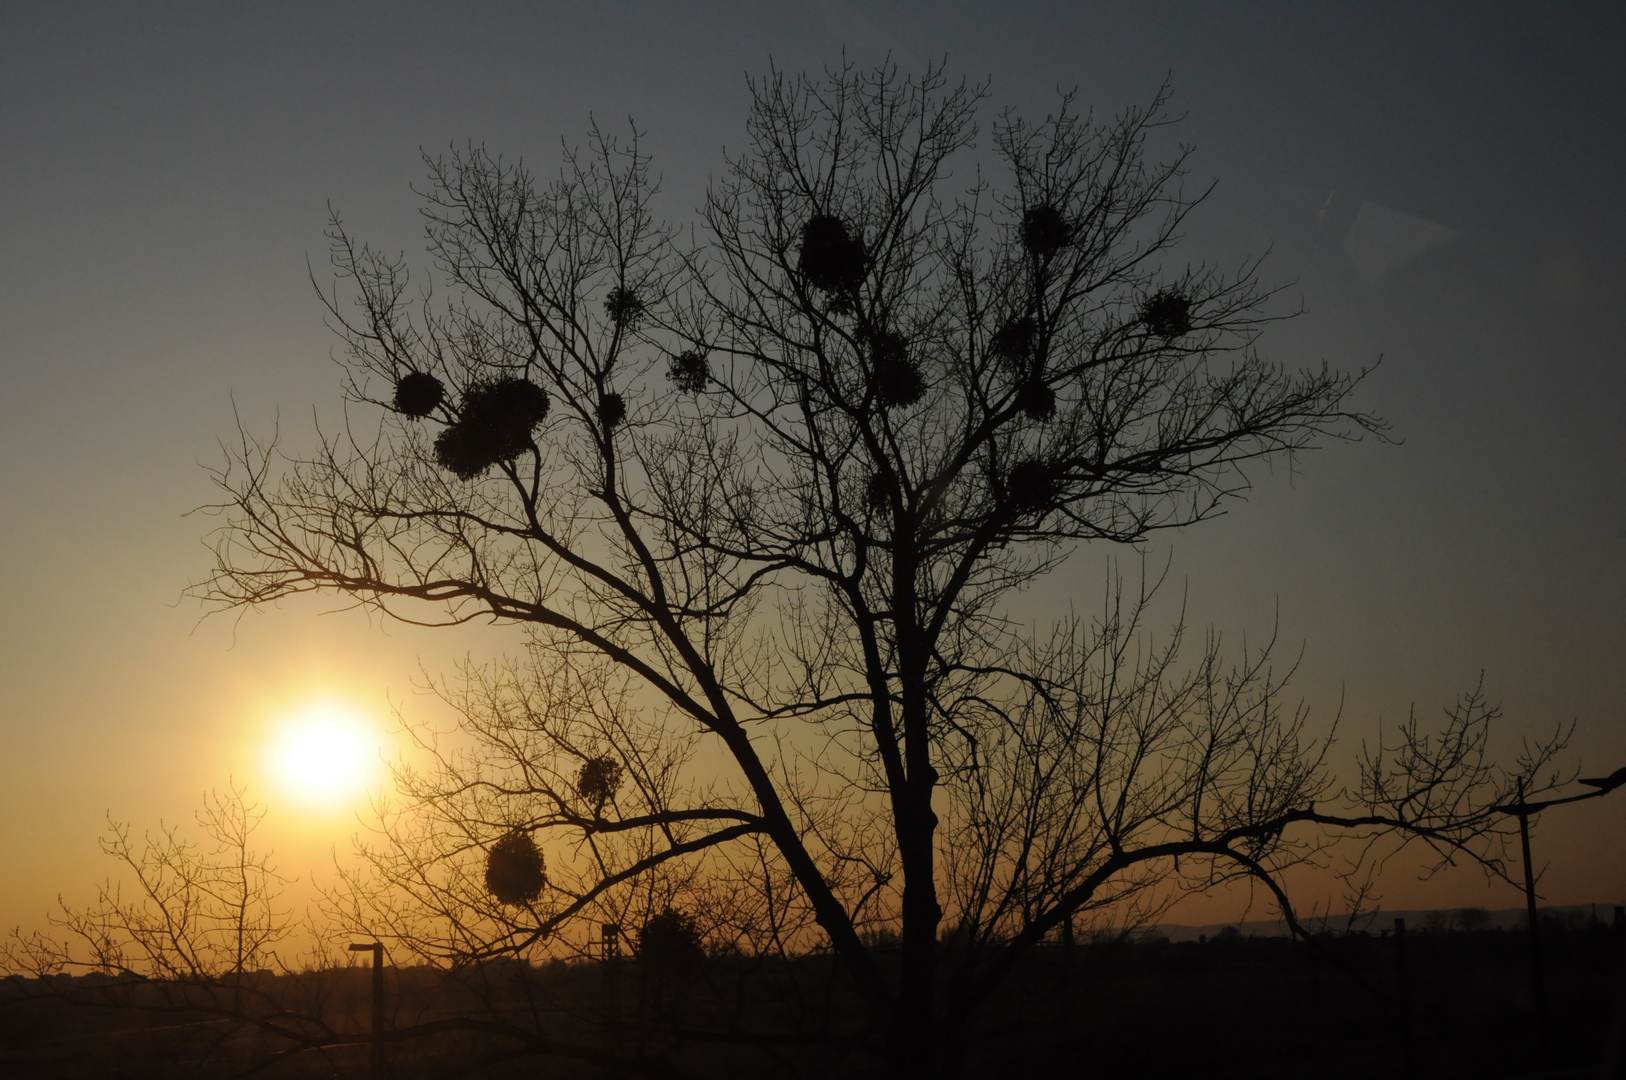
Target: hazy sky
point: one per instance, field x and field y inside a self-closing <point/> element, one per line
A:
<point x="1438" y="189"/>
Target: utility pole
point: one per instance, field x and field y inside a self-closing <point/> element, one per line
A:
<point x="1601" y="786"/>
<point x="609" y="953"/>
<point x="377" y="949"/>
<point x="1538" y="988"/>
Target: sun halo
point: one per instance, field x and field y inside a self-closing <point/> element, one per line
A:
<point x="325" y="754"/>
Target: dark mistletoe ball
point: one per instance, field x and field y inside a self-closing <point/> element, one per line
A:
<point x="612" y="409"/>
<point x="1036" y="399"/>
<point x="688" y="371"/>
<point x="1012" y="343"/>
<point x="598" y="780"/>
<point x="515" y="872"/>
<point x="1032" y="485"/>
<point x="876" y="495"/>
<point x="1167" y="314"/>
<point x="623" y="306"/>
<point x="897" y="379"/>
<point x="832" y="258"/>
<point x="1044" y="230"/>
<point x="418" y="393"/>
<point x="494" y="425"/>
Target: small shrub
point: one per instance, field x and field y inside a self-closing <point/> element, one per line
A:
<point x="515" y="872"/>
<point x="418" y="393"/>
<point x="688" y="371"/>
<point x="832" y="259"/>
<point x="669" y="945"/>
<point x="1044" y="230"/>
<point x="884" y="939"/>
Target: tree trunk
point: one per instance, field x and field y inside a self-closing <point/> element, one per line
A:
<point x="918" y="1049"/>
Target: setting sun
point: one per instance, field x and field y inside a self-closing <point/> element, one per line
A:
<point x="325" y="753"/>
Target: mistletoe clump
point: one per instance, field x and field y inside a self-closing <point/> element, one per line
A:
<point x="598" y="780"/>
<point x="1037" y="399"/>
<point x="688" y="371"/>
<point x="612" y="409"/>
<point x="515" y="871"/>
<point x="876" y="496"/>
<point x="832" y="259"/>
<point x="494" y="425"/>
<point x="897" y="379"/>
<point x="1033" y="485"/>
<point x="623" y="306"/>
<point x="1167" y="314"/>
<point x="1012" y="344"/>
<point x="417" y="394"/>
<point x="1044" y="230"/>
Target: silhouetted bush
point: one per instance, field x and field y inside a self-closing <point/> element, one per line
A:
<point x="418" y="393"/>
<point x="623" y="306"/>
<point x="1037" y="399"/>
<point x="897" y="380"/>
<point x="1439" y="922"/>
<point x="495" y="425"/>
<point x="1561" y="921"/>
<point x="688" y="371"/>
<point x="515" y="872"/>
<point x="832" y="259"/>
<point x="1167" y="314"/>
<point x="612" y="409"/>
<point x="1044" y="230"/>
<point x="669" y="945"/>
<point x="598" y="780"/>
<point x="1012" y="344"/>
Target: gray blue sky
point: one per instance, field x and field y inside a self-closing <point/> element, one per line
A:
<point x="1437" y="184"/>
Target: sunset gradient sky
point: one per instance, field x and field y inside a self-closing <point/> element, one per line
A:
<point x="1438" y="190"/>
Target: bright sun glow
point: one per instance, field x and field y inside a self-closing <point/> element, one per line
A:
<point x="325" y="754"/>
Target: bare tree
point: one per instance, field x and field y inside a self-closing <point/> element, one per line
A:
<point x="763" y="501"/>
<point x="190" y="929"/>
<point x="207" y="912"/>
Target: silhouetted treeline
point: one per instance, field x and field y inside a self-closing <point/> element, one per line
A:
<point x="1229" y="1006"/>
<point x="1337" y="1006"/>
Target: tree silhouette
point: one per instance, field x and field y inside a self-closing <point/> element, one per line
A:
<point x="207" y="912"/>
<point x="192" y="932"/>
<point x="899" y="379"/>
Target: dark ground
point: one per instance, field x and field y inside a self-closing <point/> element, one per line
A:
<point x="1260" y="1008"/>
